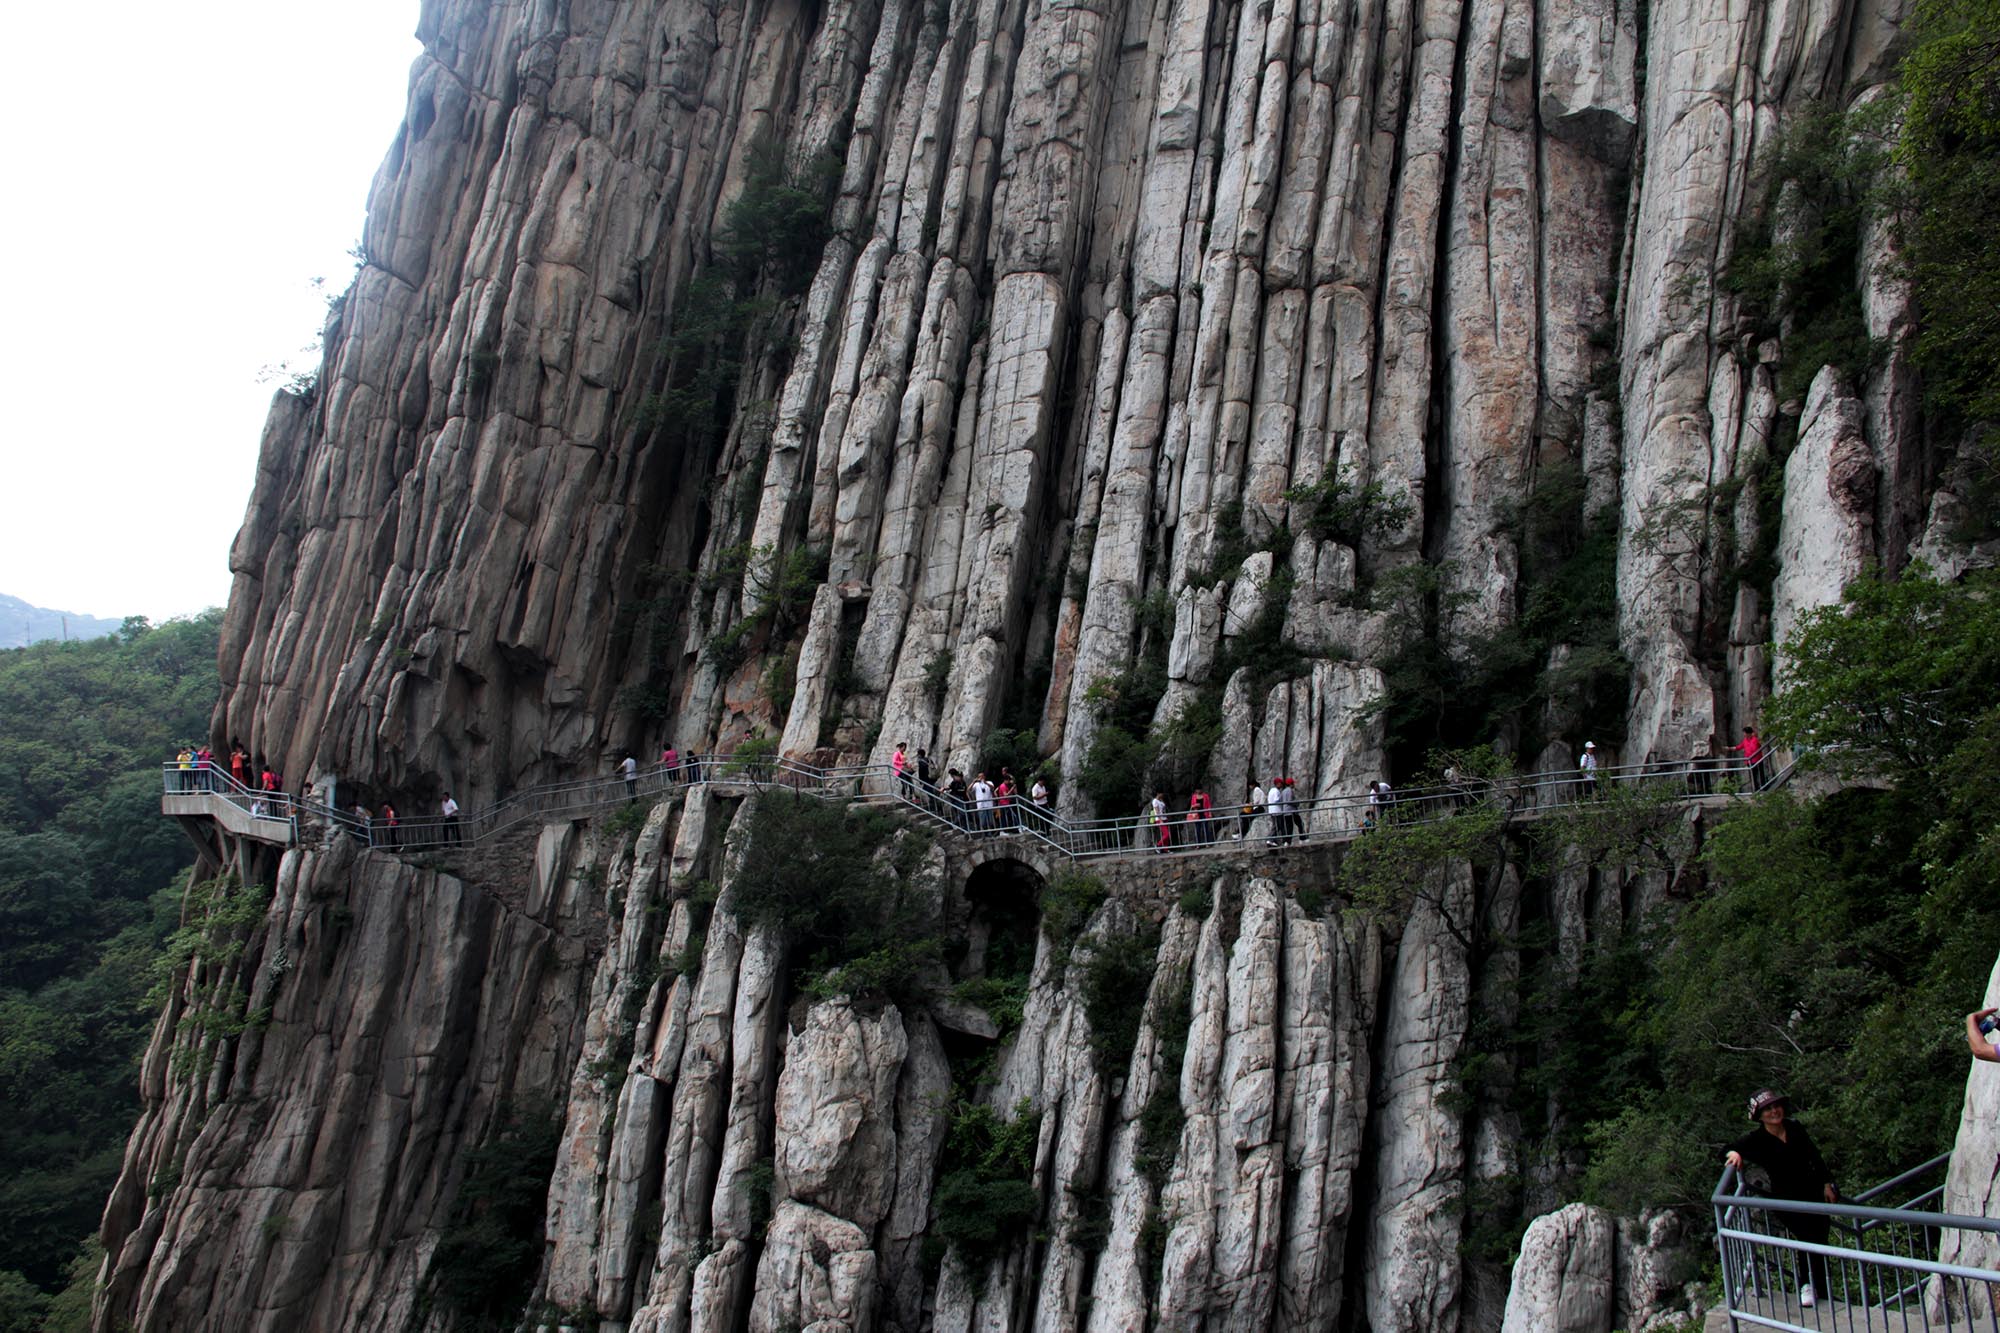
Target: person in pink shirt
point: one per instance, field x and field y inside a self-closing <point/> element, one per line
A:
<point x="1751" y="747"/>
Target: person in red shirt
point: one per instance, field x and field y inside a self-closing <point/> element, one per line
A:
<point x="1197" y="817"/>
<point x="1752" y="750"/>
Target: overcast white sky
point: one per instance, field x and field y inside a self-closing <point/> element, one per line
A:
<point x="177" y="175"/>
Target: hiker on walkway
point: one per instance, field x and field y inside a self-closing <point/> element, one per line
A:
<point x="1252" y="808"/>
<point x="1163" y="832"/>
<point x="670" y="760"/>
<point x="926" y="776"/>
<point x="1199" y="807"/>
<point x="899" y="765"/>
<point x="364" y="825"/>
<point x="1038" y="801"/>
<point x="1701" y="773"/>
<point x="449" y="809"/>
<point x="1786" y="1153"/>
<point x="956" y="794"/>
<point x="239" y="763"/>
<point x="1274" y="811"/>
<point x="389" y="835"/>
<point x="1586" y="768"/>
<point x="1751" y="749"/>
<point x="1006" y="801"/>
<point x="628" y="768"/>
<point x="1379" y="797"/>
<point x="982" y="801"/>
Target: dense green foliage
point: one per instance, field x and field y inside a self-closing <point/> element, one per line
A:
<point x="766" y="248"/>
<point x="1162" y="1118"/>
<point x="1450" y="682"/>
<point x="1131" y="756"/>
<point x="490" y="1251"/>
<point x="1796" y="267"/>
<point x="86" y="863"/>
<point x="1950" y="151"/>
<point x="986" y="1195"/>
<point x="1067" y="904"/>
<point x="847" y="889"/>
<point x="1336" y="508"/>
<point x="1840" y="941"/>
<point x="1116" y="977"/>
<point x="1893" y="677"/>
<point x="1927" y="161"/>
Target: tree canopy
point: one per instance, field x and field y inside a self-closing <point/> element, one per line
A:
<point x="1840" y="939"/>
<point x="1889" y="681"/>
<point x="87" y="893"/>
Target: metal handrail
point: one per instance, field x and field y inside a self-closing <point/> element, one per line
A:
<point x="1328" y="818"/>
<point x="1890" y="1270"/>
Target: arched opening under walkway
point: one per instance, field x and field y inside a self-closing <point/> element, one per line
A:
<point x="1003" y="899"/>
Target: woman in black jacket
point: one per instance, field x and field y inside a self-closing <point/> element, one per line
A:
<point x="1786" y="1152"/>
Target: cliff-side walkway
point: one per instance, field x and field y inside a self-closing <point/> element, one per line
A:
<point x="281" y="819"/>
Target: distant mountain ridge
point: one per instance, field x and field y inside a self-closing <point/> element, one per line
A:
<point x="22" y="624"/>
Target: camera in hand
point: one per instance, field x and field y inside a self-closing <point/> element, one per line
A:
<point x="1988" y="1023"/>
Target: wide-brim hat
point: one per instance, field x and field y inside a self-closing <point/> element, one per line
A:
<point x="1765" y="1098"/>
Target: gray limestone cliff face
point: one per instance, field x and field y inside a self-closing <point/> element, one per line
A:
<point x="1103" y="300"/>
<point x="1099" y="307"/>
<point x="310" y="1096"/>
<point x="1287" y="1141"/>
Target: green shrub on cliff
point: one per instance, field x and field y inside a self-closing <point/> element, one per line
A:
<point x="489" y="1253"/>
<point x="985" y="1194"/>
<point x="1950" y="148"/>
<point x="846" y="888"/>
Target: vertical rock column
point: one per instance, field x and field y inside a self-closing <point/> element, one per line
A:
<point x="1040" y="208"/>
<point x="835" y="1168"/>
<point x="584" y="1157"/>
<point x="1411" y="1282"/>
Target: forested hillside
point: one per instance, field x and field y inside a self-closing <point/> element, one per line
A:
<point x="88" y="890"/>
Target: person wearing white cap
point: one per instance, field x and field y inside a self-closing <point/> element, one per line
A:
<point x="1587" y="766"/>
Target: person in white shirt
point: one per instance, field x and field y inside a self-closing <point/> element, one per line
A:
<point x="982" y="801"/>
<point x="1586" y="767"/>
<point x="629" y="768"/>
<point x="1251" y="809"/>
<point x="449" y="809"/>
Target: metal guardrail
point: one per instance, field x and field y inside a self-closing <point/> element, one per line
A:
<point x="1879" y="1267"/>
<point x="1335" y="818"/>
<point x="207" y="781"/>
